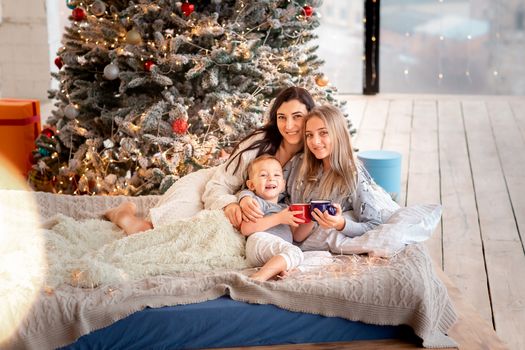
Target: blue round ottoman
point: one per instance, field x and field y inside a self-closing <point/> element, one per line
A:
<point x="385" y="169"/>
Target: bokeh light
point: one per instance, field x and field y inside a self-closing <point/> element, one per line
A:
<point x="22" y="257"/>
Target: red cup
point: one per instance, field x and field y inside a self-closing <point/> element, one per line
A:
<point x="304" y="209"/>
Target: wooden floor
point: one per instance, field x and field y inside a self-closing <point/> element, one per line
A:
<point x="467" y="153"/>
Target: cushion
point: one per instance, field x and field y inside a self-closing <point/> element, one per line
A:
<point x="406" y="226"/>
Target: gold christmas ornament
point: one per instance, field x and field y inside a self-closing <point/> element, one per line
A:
<point x="133" y="37"/>
<point x="321" y="80"/>
<point x="247" y="55"/>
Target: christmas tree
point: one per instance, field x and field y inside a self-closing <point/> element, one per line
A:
<point x="150" y="91"/>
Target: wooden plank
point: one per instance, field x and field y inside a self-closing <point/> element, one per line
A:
<point x="370" y="134"/>
<point x="463" y="259"/>
<point x="425" y="110"/>
<point x="394" y="136"/>
<point x="397" y="138"/>
<point x="506" y="266"/>
<point x="471" y="331"/>
<point x="489" y="179"/>
<point x="423" y="174"/>
<point x="399" y="116"/>
<point x="355" y="108"/>
<point x="375" y="115"/>
<point x="510" y="143"/>
<point x="368" y="140"/>
<point x="518" y="109"/>
<point x="496" y="215"/>
<point x="502" y="212"/>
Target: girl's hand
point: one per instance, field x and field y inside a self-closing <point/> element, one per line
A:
<point x="234" y="214"/>
<point x="286" y="217"/>
<point x="327" y="221"/>
<point x="250" y="209"/>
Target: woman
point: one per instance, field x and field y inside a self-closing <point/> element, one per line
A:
<point x="282" y="137"/>
<point x="329" y="171"/>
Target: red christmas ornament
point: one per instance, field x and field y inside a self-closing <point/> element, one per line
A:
<point x="79" y="14"/>
<point x="187" y="8"/>
<point x="58" y="62"/>
<point x="179" y="126"/>
<point x="148" y="65"/>
<point x="308" y="11"/>
<point x="48" y="132"/>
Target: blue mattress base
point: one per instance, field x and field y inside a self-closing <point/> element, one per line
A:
<point x="224" y="322"/>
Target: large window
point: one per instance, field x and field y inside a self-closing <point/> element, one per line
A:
<point x="341" y="43"/>
<point x="452" y="46"/>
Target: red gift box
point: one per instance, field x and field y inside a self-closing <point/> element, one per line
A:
<point x="19" y="127"/>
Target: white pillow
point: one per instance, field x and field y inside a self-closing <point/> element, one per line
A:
<point x="406" y="226"/>
<point x="416" y="222"/>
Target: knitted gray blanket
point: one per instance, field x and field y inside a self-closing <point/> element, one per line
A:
<point x="401" y="290"/>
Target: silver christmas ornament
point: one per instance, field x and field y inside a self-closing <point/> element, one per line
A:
<point x="108" y="143"/>
<point x="98" y="8"/>
<point x="82" y="60"/>
<point x="111" y="71"/>
<point x="71" y="111"/>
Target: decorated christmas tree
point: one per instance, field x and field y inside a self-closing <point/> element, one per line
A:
<point x="150" y="91"/>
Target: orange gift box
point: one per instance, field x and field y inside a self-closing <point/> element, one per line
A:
<point x="19" y="127"/>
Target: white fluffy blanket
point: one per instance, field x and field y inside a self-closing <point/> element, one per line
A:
<point x="88" y="253"/>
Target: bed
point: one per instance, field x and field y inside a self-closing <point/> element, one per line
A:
<point x="347" y="298"/>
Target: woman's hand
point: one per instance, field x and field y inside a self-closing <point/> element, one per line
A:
<point x="327" y="221"/>
<point x="250" y="209"/>
<point x="234" y="214"/>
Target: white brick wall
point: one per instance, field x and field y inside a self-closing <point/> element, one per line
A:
<point x="24" y="49"/>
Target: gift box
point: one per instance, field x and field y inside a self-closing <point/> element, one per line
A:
<point x="385" y="169"/>
<point x="19" y="127"/>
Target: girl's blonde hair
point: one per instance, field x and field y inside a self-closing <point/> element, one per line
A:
<point x="342" y="179"/>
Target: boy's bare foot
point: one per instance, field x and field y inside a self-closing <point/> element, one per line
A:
<point x="265" y="273"/>
<point x="124" y="209"/>
<point x="133" y="224"/>
<point x="270" y="269"/>
<point x="124" y="216"/>
<point x="259" y="277"/>
<point x="286" y="273"/>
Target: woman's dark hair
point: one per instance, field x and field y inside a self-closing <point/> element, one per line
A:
<point x="272" y="137"/>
